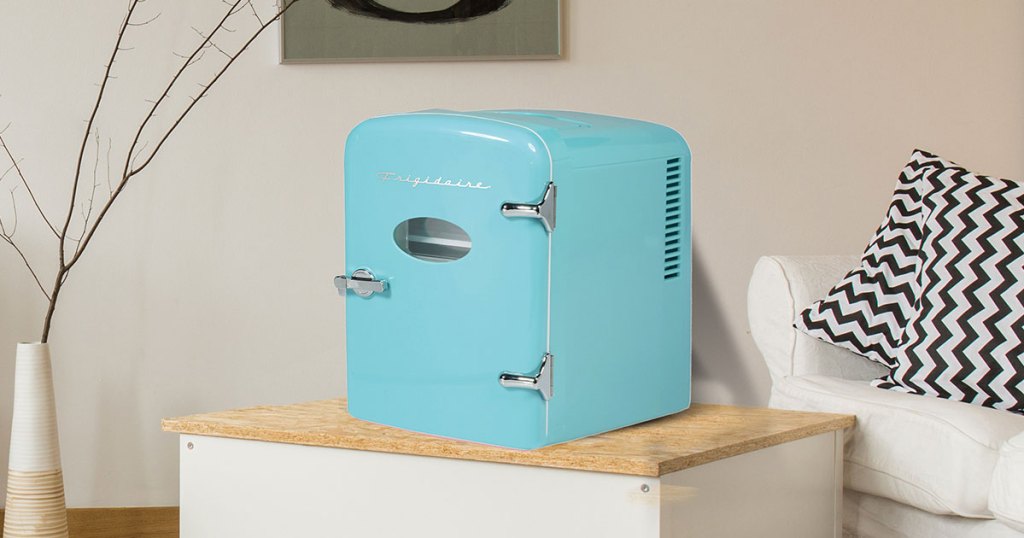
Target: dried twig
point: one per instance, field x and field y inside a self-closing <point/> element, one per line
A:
<point x="14" y="227"/>
<point x="254" y="13"/>
<point x="81" y="154"/>
<point x="8" y="171"/>
<point x="136" y="152"/>
<point x="143" y="23"/>
<point x="87" y="208"/>
<point x="210" y="42"/>
<point x="131" y="171"/>
<point x="110" y="145"/>
<point x="8" y="237"/>
<point x="132" y="166"/>
<point x="181" y="70"/>
<point x="9" y="241"/>
<point x="288" y="4"/>
<point x="14" y="163"/>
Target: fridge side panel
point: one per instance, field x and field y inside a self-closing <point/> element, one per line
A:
<point x="620" y="295"/>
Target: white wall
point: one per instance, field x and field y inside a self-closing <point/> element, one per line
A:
<point x="210" y="286"/>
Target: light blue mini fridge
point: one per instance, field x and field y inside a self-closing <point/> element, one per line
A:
<point x="516" y="277"/>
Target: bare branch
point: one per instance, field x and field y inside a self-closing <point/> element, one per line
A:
<point x="24" y="182"/>
<point x="8" y="171"/>
<point x="254" y="13"/>
<point x="110" y="144"/>
<point x="198" y="58"/>
<point x="235" y="9"/>
<point x="288" y="4"/>
<point x="63" y="267"/>
<point x="131" y="157"/>
<point x="28" y="265"/>
<point x="210" y="42"/>
<point x="9" y="239"/>
<point x="143" y="23"/>
<point x="130" y="172"/>
<point x="14" y="227"/>
<point x="88" y="131"/>
<point x="87" y="209"/>
<point x="152" y="111"/>
<point x="139" y="154"/>
<point x="192" y="61"/>
<point x="96" y="161"/>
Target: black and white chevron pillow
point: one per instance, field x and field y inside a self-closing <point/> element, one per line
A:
<point x="867" y="311"/>
<point x="965" y="338"/>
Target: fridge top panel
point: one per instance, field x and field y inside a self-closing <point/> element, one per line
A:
<point x="584" y="139"/>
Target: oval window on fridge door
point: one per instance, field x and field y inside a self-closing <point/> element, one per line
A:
<point x="432" y="240"/>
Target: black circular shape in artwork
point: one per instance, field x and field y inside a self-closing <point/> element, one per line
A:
<point x="462" y="10"/>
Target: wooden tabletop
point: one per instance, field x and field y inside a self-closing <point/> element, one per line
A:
<point x="701" y="434"/>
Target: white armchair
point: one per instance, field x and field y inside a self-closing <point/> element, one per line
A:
<point x="914" y="465"/>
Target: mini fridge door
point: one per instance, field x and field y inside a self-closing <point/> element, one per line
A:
<point x="445" y="291"/>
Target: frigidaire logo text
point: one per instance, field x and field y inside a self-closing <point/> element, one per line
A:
<point x="438" y="181"/>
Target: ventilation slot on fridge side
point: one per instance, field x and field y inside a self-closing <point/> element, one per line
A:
<point x="673" y="226"/>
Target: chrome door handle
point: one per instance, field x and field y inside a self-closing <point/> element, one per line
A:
<point x="541" y="382"/>
<point x="543" y="210"/>
<point x="361" y="282"/>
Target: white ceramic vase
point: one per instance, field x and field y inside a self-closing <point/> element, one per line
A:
<point x="35" y="485"/>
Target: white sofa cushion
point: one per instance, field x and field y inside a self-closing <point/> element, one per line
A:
<point x="780" y="287"/>
<point x="936" y="455"/>
<point x="1007" y="498"/>
<point x="868" y="516"/>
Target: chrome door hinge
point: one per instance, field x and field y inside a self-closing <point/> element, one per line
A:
<point x="543" y="210"/>
<point x="361" y="282"/>
<point x="541" y="382"/>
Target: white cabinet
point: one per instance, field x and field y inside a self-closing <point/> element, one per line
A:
<point x="773" y="486"/>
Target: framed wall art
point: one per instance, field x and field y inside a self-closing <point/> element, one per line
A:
<point x="415" y="30"/>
